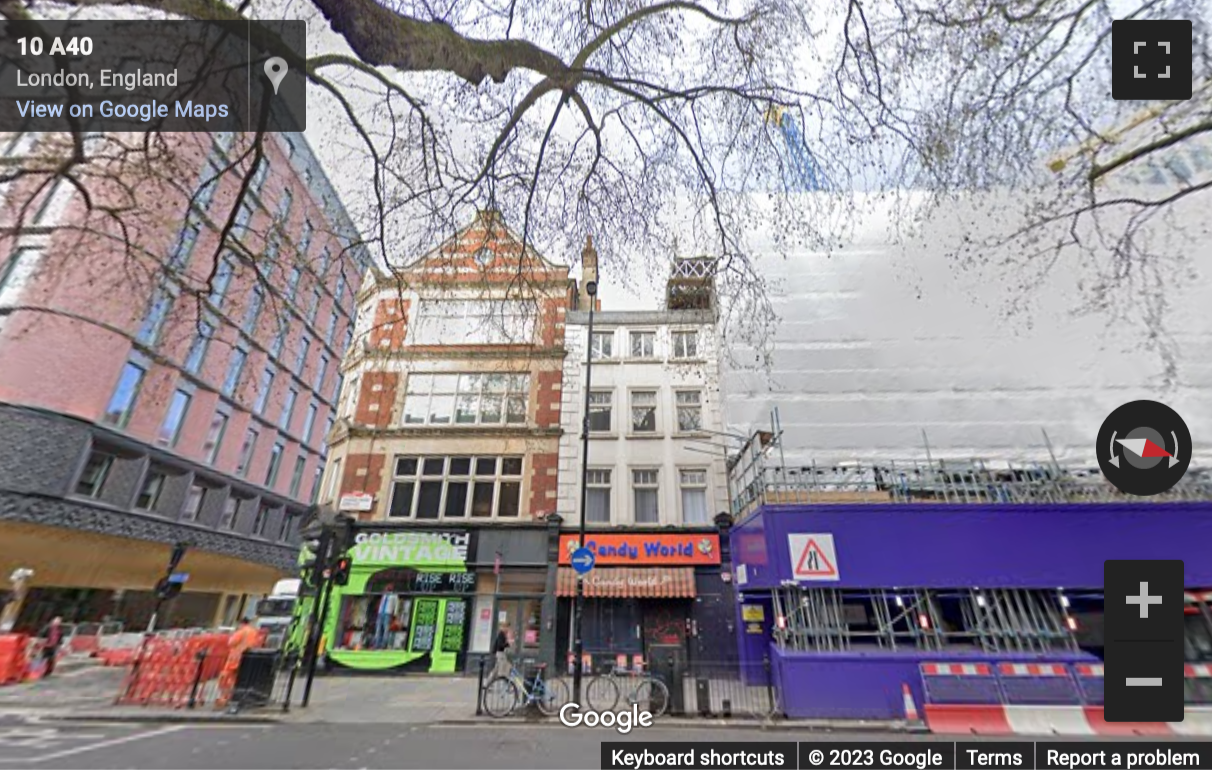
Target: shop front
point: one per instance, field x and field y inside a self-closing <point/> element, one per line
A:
<point x="511" y="566"/>
<point x="408" y="604"/>
<point x="651" y="598"/>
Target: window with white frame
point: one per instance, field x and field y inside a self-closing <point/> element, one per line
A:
<point x="693" y="483"/>
<point x="473" y="322"/>
<point x="456" y="487"/>
<point x="646" y="488"/>
<point x="597" y="496"/>
<point x="601" y="409"/>
<point x="690" y="410"/>
<point x="643" y="411"/>
<point x="601" y="345"/>
<point x="643" y="344"/>
<point x="466" y="399"/>
<point x="685" y="344"/>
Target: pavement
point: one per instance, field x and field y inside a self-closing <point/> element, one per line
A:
<point x="72" y="687"/>
<point x="69" y="721"/>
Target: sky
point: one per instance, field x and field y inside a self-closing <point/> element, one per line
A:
<point x="883" y="338"/>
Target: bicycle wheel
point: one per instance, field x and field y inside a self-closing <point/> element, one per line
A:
<point x="652" y="695"/>
<point x="602" y="694"/>
<point x="500" y="697"/>
<point x="552" y="697"/>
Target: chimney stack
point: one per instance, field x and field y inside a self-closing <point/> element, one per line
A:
<point x="589" y="271"/>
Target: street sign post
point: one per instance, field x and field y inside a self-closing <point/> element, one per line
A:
<point x="583" y="560"/>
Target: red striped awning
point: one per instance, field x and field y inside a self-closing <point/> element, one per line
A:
<point x="630" y="582"/>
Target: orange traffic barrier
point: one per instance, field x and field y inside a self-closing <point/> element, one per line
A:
<point x="165" y="671"/>
<point x="13" y="662"/>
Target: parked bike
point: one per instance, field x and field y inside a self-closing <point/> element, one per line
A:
<point x="641" y="688"/>
<point x="504" y="694"/>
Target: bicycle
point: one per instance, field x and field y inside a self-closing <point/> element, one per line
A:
<point x="504" y="694"/>
<point x="603" y="692"/>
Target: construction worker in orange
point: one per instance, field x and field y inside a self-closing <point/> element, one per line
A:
<point x="243" y="638"/>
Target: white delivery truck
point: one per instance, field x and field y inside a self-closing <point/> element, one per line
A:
<point x="276" y="611"/>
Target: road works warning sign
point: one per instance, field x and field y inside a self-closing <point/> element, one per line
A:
<point x="813" y="557"/>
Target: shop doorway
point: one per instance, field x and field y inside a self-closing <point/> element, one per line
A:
<point x="524" y="616"/>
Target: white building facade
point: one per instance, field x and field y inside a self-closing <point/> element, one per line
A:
<point x="654" y="420"/>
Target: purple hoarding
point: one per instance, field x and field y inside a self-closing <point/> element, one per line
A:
<point x="944" y="546"/>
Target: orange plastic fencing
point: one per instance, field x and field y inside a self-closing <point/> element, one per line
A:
<point x="13" y="662"/>
<point x="165" y="673"/>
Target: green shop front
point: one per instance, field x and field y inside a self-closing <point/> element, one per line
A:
<point x="407" y="606"/>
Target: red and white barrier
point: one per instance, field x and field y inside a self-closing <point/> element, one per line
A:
<point x="1054" y="720"/>
<point x="957" y="669"/>
<point x="1032" y="669"/>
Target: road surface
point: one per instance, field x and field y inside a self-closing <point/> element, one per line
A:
<point x="44" y="743"/>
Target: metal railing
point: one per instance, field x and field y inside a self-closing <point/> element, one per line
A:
<point x="713" y="689"/>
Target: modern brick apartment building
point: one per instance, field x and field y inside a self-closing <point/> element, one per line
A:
<point x="446" y="448"/>
<point x="152" y="392"/>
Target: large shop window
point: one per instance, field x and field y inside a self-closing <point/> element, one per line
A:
<point x="612" y="625"/>
<point x="466" y="399"/>
<point x="377" y="620"/>
<point x="473" y="322"/>
<point x="456" y="487"/>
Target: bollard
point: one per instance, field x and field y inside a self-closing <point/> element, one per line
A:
<point x="769" y="684"/>
<point x="480" y="686"/>
<point x="199" y="656"/>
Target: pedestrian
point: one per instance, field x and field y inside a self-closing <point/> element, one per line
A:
<point x="500" y="647"/>
<point x="242" y="639"/>
<point x="50" y="649"/>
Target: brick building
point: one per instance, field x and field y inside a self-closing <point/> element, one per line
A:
<point x="156" y="389"/>
<point x="446" y="448"/>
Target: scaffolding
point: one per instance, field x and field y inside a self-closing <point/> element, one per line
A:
<point x="995" y="621"/>
<point x="758" y="475"/>
<point x="912" y="619"/>
<point x="691" y="284"/>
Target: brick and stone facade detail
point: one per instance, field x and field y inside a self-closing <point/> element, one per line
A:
<point x="544" y="478"/>
<point x="363" y="473"/>
<point x="377" y="398"/>
<point x="547" y="398"/>
<point x="390" y="326"/>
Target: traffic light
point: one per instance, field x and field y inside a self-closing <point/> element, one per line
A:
<point x="340" y="571"/>
<point x="343" y="535"/>
<point x="315" y="559"/>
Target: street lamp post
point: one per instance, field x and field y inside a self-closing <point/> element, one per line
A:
<point x="578" y="645"/>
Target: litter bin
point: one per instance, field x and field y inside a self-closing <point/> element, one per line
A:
<point x="255" y="679"/>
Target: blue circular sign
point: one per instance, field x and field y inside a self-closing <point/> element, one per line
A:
<point x="582" y="560"/>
